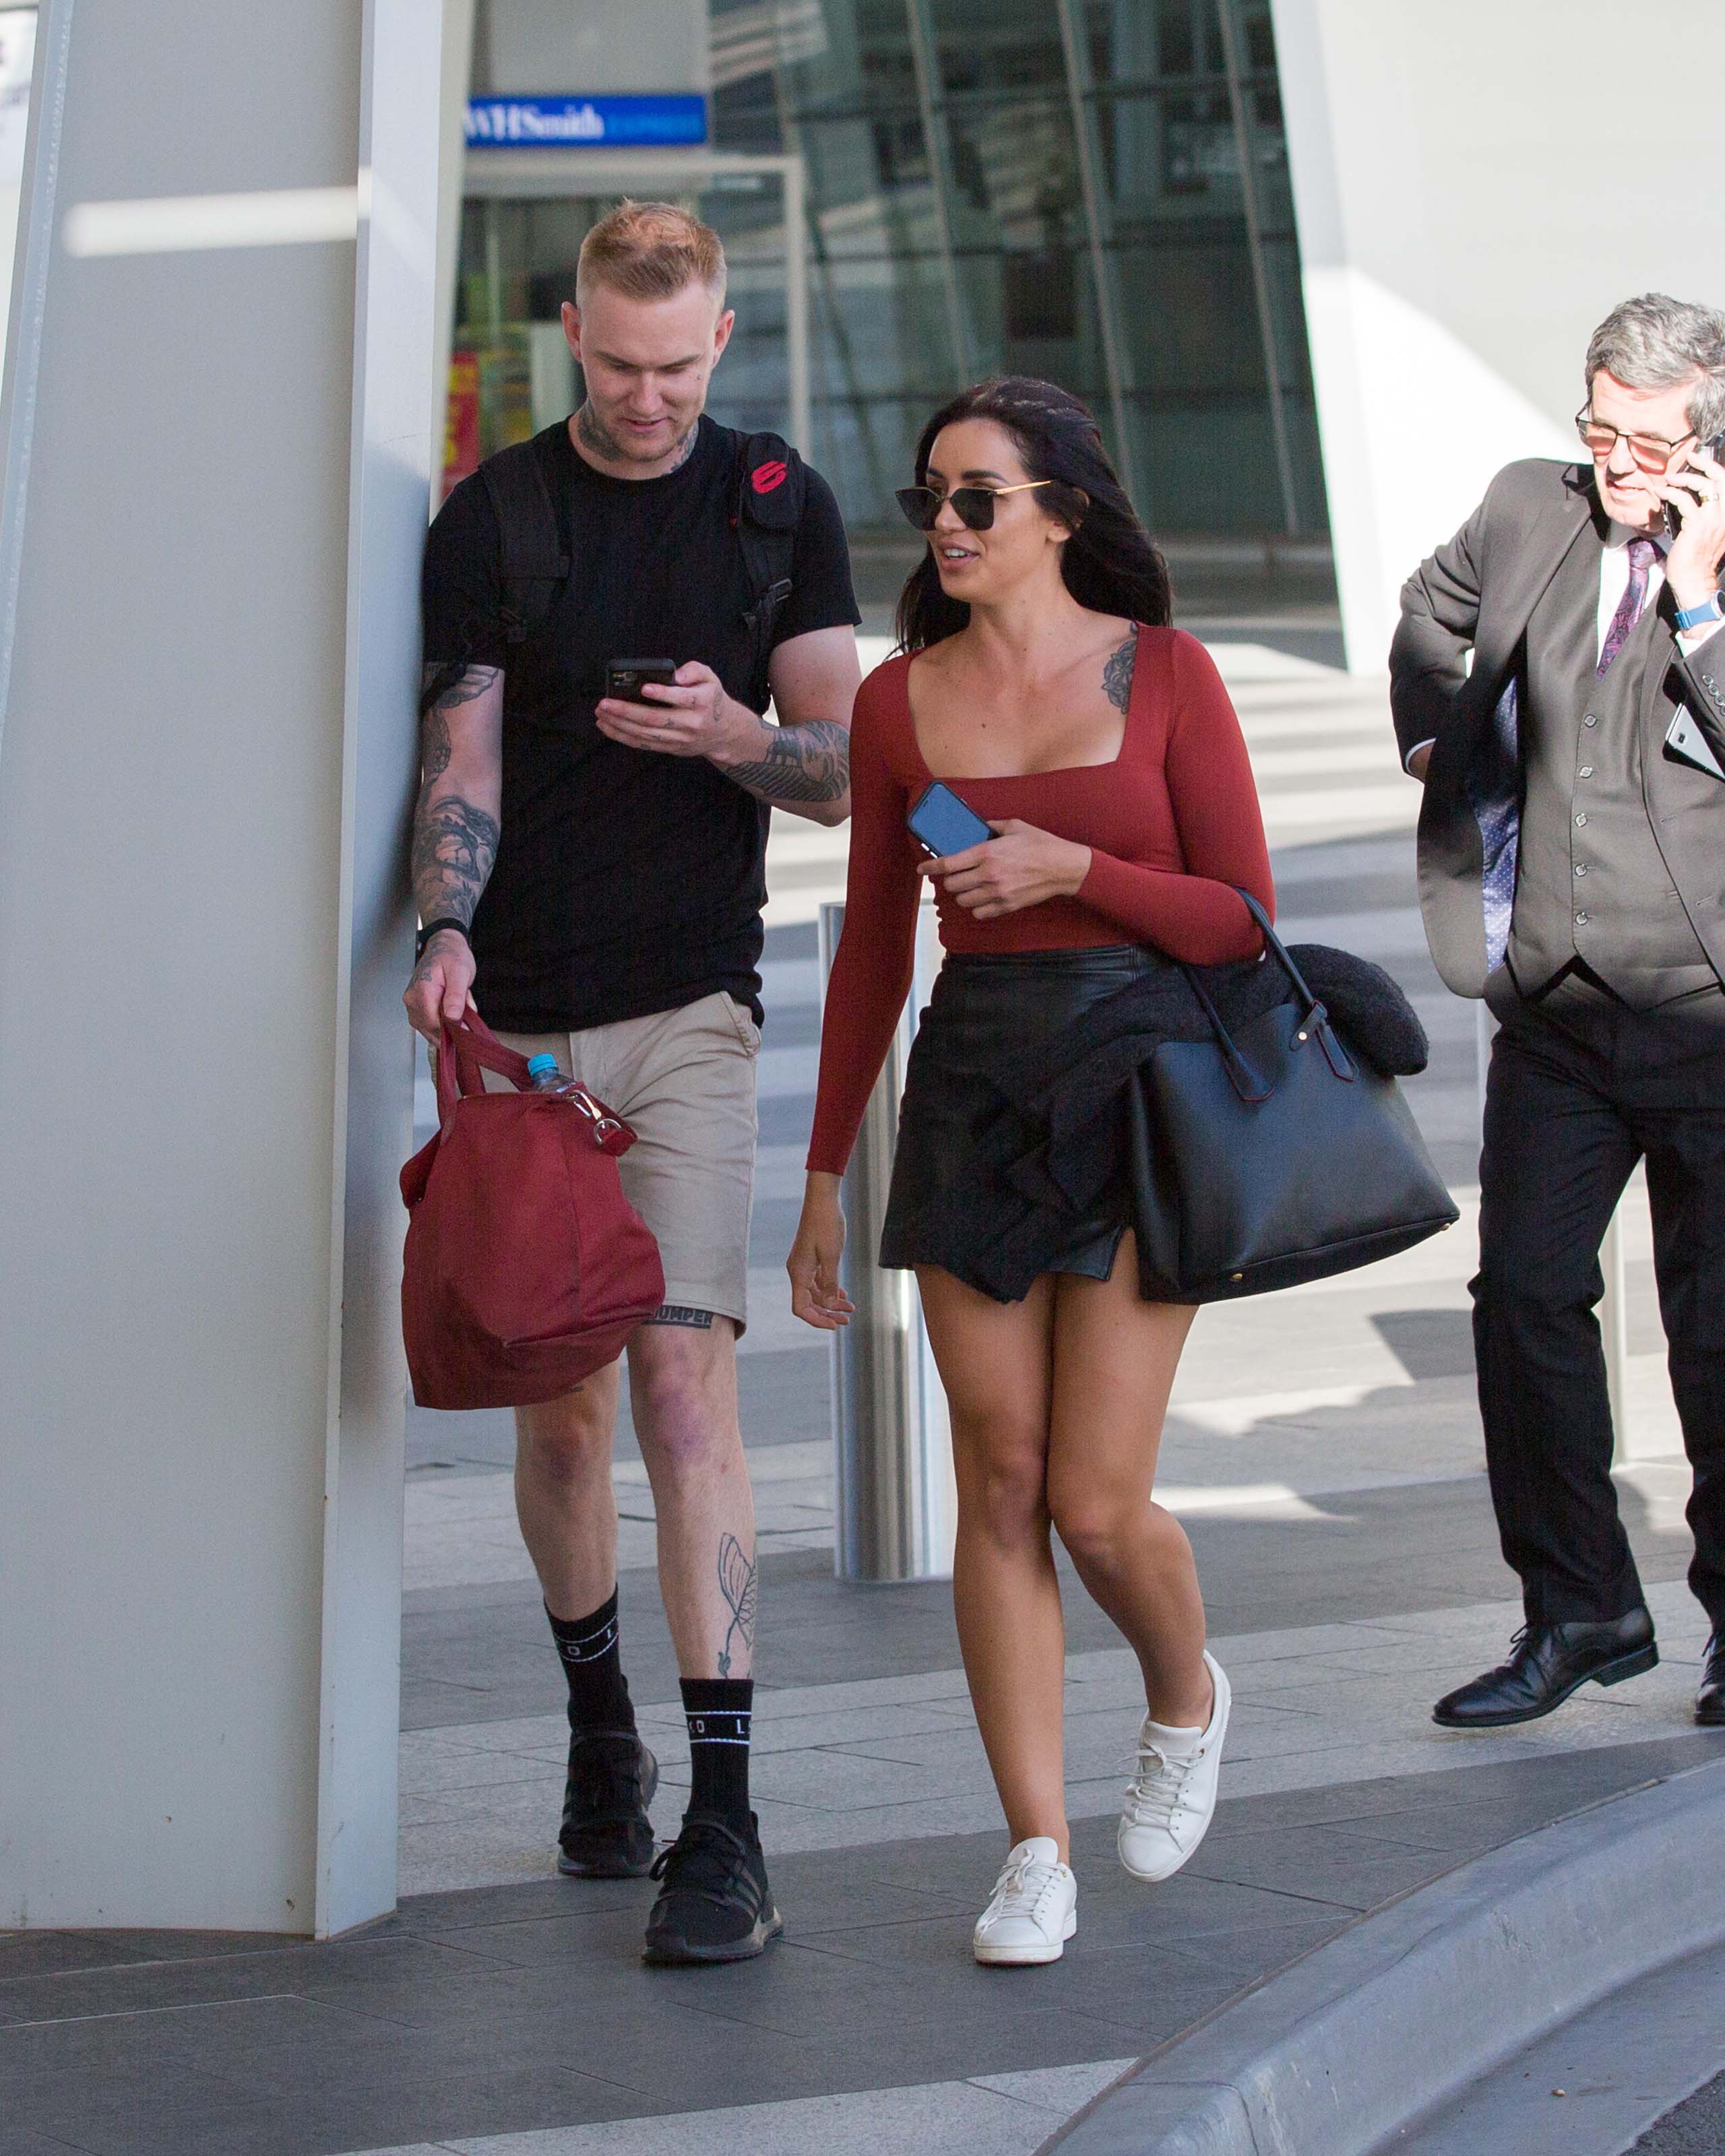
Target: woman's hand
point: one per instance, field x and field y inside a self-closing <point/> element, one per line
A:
<point x="816" y="1296"/>
<point x="1018" y="866"/>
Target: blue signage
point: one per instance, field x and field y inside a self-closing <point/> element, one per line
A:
<point x="661" y="121"/>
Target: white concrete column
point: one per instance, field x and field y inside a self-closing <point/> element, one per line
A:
<point x="216" y="432"/>
<point x="1469" y="207"/>
<point x="456" y="78"/>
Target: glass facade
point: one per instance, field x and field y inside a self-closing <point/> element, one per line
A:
<point x="1094" y="190"/>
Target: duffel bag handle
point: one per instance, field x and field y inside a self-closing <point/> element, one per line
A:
<point x="464" y="1054"/>
<point x="468" y="1050"/>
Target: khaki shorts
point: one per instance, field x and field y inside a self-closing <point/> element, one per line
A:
<point x="685" y="1081"/>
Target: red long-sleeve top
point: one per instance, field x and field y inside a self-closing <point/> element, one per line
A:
<point x="1173" y="825"/>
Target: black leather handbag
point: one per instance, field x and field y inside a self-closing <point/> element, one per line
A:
<point x="1274" y="1156"/>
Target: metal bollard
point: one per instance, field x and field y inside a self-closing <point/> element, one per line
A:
<point x="892" y="1443"/>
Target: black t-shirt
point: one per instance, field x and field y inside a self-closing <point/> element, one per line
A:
<point x="625" y="882"/>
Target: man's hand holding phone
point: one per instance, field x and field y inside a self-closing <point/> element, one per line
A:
<point x="1694" y="491"/>
<point x="670" y="710"/>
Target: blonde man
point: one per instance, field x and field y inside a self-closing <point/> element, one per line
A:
<point x="588" y="868"/>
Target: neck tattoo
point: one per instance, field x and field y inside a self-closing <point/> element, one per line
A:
<point x="594" y="438"/>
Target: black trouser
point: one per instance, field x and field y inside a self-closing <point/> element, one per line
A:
<point x="1581" y="1088"/>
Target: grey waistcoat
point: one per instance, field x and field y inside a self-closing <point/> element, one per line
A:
<point x="1477" y="593"/>
<point x="1592" y="880"/>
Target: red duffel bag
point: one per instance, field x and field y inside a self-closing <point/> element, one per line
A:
<point x="527" y="1269"/>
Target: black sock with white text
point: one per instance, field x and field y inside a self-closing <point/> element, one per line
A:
<point x="719" y="1710"/>
<point x="598" y="1691"/>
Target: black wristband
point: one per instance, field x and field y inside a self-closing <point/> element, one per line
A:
<point x="436" y="928"/>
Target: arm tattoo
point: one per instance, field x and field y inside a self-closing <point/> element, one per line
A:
<point x="445" y="685"/>
<point x="434" y="749"/>
<point x="737" y="1583"/>
<point x="1117" y="674"/>
<point x="467" y="688"/>
<point x="806" y="762"/>
<point x="454" y="844"/>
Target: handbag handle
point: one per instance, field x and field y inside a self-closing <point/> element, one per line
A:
<point x="1277" y="949"/>
<point x="1241" y="1076"/>
<point x="1317" y="1021"/>
<point x="1315" y="1024"/>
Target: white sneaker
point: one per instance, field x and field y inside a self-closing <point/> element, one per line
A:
<point x="1171" y="1798"/>
<point x="1033" y="1909"/>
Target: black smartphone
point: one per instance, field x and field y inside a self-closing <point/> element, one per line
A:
<point x="625" y="678"/>
<point x="1673" y="512"/>
<point x="942" y="824"/>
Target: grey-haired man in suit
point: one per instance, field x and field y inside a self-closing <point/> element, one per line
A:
<point x="1572" y="871"/>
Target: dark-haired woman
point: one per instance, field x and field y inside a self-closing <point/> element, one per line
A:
<point x="1040" y="680"/>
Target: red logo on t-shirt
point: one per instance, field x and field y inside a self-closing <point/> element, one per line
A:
<point x="767" y="476"/>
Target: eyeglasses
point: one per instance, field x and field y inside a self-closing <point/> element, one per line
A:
<point x="1651" y="452"/>
<point x="974" y="505"/>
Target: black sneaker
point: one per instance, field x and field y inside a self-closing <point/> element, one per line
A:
<point x="606" y="1833"/>
<point x="714" y="1902"/>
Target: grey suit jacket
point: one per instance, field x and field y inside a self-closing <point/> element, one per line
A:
<point x="1478" y="592"/>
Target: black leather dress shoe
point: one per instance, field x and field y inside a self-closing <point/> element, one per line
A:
<point x="1546" y="1663"/>
<point x="1710" y="1699"/>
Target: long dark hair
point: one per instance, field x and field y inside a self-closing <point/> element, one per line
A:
<point x="1111" y="564"/>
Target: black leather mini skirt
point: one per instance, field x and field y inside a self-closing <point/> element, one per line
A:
<point x="986" y="1011"/>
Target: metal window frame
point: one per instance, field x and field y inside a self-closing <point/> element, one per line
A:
<point x="1104" y="259"/>
<point x="932" y="104"/>
<point x="1234" y="63"/>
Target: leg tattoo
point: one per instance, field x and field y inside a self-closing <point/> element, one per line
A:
<point x="737" y="1583"/>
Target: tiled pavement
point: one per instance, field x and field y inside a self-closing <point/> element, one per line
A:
<point x="1325" y="1453"/>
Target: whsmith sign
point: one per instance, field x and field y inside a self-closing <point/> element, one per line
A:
<point x="585" y="123"/>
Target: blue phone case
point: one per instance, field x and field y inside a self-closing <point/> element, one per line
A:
<point x="940" y="822"/>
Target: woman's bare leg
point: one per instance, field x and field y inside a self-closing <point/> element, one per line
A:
<point x="995" y="1362"/>
<point x="1114" y="1356"/>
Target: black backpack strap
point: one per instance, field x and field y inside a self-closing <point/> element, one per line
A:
<point x="770" y="496"/>
<point x="533" y="568"/>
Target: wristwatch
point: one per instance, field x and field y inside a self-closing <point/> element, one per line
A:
<point x="1693" y="617"/>
<point x="436" y="928"/>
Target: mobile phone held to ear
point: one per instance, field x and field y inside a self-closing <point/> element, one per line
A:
<point x="941" y="824"/>
<point x="1714" y="448"/>
<point x="625" y="678"/>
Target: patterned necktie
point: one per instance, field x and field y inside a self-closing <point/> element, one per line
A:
<point x="1641" y="552"/>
